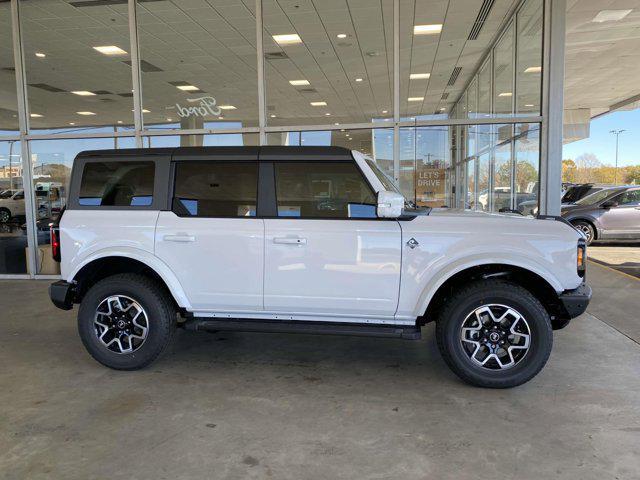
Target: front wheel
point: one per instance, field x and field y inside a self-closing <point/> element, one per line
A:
<point x="5" y="215"/>
<point x="494" y="334"/>
<point x="126" y="321"/>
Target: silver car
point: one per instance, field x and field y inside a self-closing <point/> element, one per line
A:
<point x="608" y="214"/>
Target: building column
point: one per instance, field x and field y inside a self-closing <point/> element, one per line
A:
<point x="552" y="107"/>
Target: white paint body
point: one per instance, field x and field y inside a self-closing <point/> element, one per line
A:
<point x="354" y="270"/>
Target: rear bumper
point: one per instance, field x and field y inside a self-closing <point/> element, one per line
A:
<point x="575" y="302"/>
<point x="61" y="294"/>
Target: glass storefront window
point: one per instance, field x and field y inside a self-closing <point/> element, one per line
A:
<point x="529" y="58"/>
<point x="8" y="97"/>
<point x="217" y="140"/>
<point x="527" y="158"/>
<point x="502" y="169"/>
<point x="198" y="64"/>
<point x="13" y="236"/>
<point x="328" y="62"/>
<point x="426" y="170"/>
<point x="503" y="74"/>
<point x="77" y="64"/>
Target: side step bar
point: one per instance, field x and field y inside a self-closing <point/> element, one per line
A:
<point x="312" y="328"/>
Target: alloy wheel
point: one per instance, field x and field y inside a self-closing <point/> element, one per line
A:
<point x="495" y="337"/>
<point x="121" y="324"/>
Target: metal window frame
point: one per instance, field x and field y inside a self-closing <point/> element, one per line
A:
<point x="550" y="118"/>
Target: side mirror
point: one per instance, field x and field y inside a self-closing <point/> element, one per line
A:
<point x="609" y="204"/>
<point x="390" y="204"/>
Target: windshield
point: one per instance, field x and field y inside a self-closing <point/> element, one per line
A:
<point x="596" y="197"/>
<point x="7" y="193"/>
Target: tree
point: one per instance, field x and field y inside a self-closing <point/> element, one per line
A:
<point x="569" y="171"/>
<point x="632" y="174"/>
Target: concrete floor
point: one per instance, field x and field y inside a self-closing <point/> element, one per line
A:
<point x="236" y="406"/>
<point x="624" y="257"/>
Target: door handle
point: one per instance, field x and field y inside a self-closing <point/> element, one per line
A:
<point x="290" y="240"/>
<point x="180" y="237"/>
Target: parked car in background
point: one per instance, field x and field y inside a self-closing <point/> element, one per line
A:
<point x="309" y="240"/>
<point x="11" y="205"/>
<point x="578" y="191"/>
<point x="611" y="213"/>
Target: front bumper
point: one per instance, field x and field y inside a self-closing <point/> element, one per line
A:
<point x="61" y="294"/>
<point x="575" y="302"/>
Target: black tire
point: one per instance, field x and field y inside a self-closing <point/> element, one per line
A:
<point x="463" y="303"/>
<point x="5" y="215"/>
<point x="152" y="298"/>
<point x="586" y="228"/>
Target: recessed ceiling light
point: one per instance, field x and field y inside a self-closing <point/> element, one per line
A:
<point x="169" y="119"/>
<point x="287" y="39"/>
<point x="415" y="99"/>
<point x="272" y="116"/>
<point x="187" y="88"/>
<point x="419" y="76"/>
<point x="318" y="104"/>
<point x="40" y="55"/>
<point x="336" y="123"/>
<point x="119" y="121"/>
<point x="72" y="123"/>
<point x="85" y="113"/>
<point x="226" y="107"/>
<point x="442" y="109"/>
<point x="427" y="29"/>
<point x="83" y="93"/>
<point x="144" y="110"/>
<point x="610" y="15"/>
<point x="505" y="94"/>
<point x="529" y="105"/>
<point x="385" y="111"/>
<point x="327" y="114"/>
<point x="533" y="70"/>
<point x="342" y="35"/>
<point x="358" y="79"/>
<point x="220" y="117"/>
<point x="299" y="82"/>
<point x="35" y="115"/>
<point x="110" y="50"/>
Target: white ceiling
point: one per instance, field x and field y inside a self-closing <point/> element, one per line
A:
<point x="211" y="44"/>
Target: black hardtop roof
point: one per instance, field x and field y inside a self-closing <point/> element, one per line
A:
<point x="266" y="152"/>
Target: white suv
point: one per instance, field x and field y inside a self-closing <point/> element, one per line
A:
<point x="304" y="239"/>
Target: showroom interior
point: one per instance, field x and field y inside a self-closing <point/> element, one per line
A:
<point x="461" y="106"/>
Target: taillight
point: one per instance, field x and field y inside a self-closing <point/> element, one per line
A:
<point x="582" y="257"/>
<point x="55" y="242"/>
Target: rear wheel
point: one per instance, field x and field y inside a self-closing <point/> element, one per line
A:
<point x="126" y="321"/>
<point x="494" y="334"/>
<point x="586" y="228"/>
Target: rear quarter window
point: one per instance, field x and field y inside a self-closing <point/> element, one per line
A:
<point x="117" y="184"/>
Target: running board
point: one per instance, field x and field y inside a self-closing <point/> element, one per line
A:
<point x="311" y="328"/>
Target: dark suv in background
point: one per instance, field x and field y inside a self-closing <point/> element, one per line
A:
<point x="611" y="213"/>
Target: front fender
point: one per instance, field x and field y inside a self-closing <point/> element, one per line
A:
<point x="150" y="260"/>
<point x="445" y="272"/>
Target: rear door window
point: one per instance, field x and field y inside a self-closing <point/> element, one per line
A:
<point x="117" y="184"/>
<point x="215" y="188"/>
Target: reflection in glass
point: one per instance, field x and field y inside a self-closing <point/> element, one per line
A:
<point x="79" y="79"/>
<point x="527" y="153"/>
<point x="13" y="236"/>
<point x="529" y="73"/>
<point x="198" y="64"/>
<point x="8" y="97"/>
<point x="503" y="74"/>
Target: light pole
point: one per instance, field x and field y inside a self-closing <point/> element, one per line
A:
<point x="617" y="134"/>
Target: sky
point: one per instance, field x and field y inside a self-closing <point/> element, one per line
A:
<point x="603" y="144"/>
